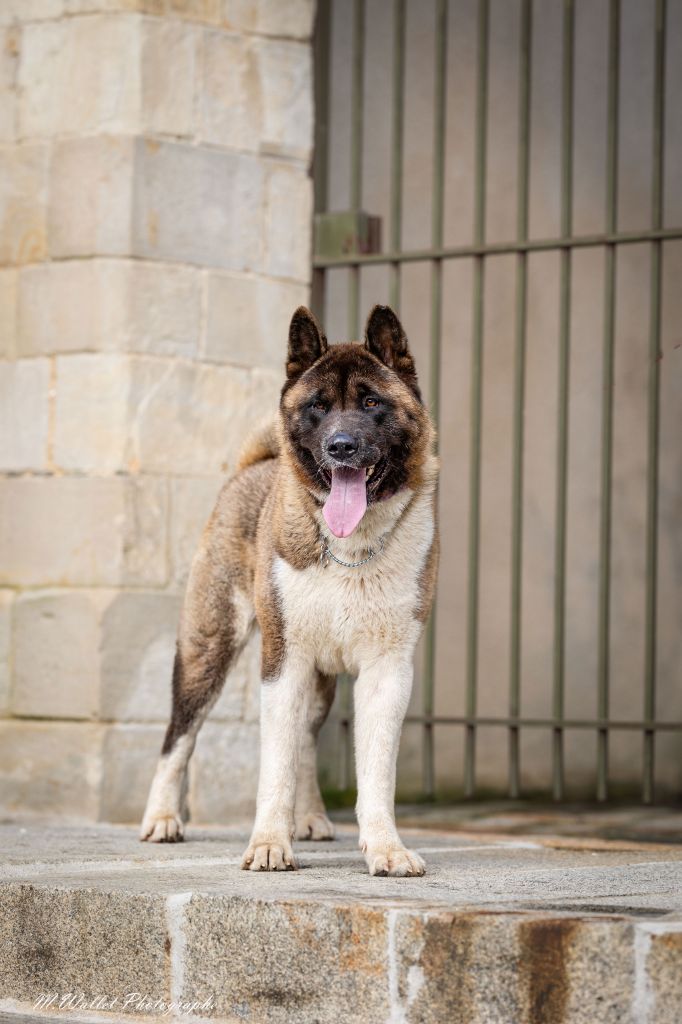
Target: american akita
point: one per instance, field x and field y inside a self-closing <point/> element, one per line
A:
<point x="326" y="536"/>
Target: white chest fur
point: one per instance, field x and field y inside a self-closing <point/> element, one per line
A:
<point x="344" y="618"/>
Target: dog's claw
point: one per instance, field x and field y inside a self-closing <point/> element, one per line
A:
<point x="398" y="863"/>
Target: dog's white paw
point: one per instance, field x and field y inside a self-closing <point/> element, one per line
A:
<point x="273" y="854"/>
<point x="162" y="828"/>
<point x="315" y="825"/>
<point x="395" y="861"/>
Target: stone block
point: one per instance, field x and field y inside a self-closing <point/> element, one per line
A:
<point x="29" y="10"/>
<point x="285" y="73"/>
<point x="288" y="18"/>
<point x="9" y="53"/>
<point x="65" y="531"/>
<point x="193" y="10"/>
<point x="287" y="218"/>
<point x="56" y="656"/>
<point x="79" y="75"/>
<point x="324" y="962"/>
<point x="198" y="205"/>
<point x="8" y="312"/>
<point x="193" y="418"/>
<point x="23" y="190"/>
<point x="6" y="603"/>
<point x="24" y="387"/>
<point x="191" y="503"/>
<point x="50" y="769"/>
<point x="247" y="319"/>
<point x="137" y="647"/>
<point x="168" y="77"/>
<point x="661" y="991"/>
<point x="92" y="412"/>
<point x="95" y="217"/>
<point x="230" y="104"/>
<point x="129" y="757"/>
<point x="224" y="773"/>
<point x="109" y="305"/>
<point x="128" y="413"/>
<point x="242" y="681"/>
<point x="94" y="945"/>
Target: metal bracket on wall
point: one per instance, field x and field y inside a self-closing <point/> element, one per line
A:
<point x="347" y="231"/>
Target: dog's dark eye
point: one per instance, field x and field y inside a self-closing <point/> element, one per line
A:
<point x="371" y="403"/>
<point x="319" y="406"/>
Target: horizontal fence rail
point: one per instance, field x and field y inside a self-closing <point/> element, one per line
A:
<point x="478" y="251"/>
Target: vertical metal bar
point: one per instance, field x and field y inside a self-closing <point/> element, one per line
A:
<point x="476" y="399"/>
<point x="607" y="404"/>
<point x="356" y="146"/>
<point x="356" y="141"/>
<point x="519" y="395"/>
<point x="563" y="392"/>
<point x="397" y="123"/>
<point x="437" y="199"/>
<point x="654" y="401"/>
<point x="321" y="157"/>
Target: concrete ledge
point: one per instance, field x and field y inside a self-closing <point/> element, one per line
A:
<point x="501" y="929"/>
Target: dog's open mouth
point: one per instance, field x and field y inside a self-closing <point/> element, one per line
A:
<point x="347" y="501"/>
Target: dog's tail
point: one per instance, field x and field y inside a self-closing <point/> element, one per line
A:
<point x="262" y="444"/>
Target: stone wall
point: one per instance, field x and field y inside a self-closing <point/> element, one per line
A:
<point x="155" y="211"/>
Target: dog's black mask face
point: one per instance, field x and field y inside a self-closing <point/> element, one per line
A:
<point x="353" y="413"/>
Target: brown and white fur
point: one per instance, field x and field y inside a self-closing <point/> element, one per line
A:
<point x="263" y="557"/>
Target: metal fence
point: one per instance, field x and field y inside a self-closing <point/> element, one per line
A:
<point x="609" y="242"/>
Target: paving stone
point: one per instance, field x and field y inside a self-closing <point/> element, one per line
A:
<point x="660" y="995"/>
<point x="24" y="400"/>
<point x="82" y="942"/>
<point x="329" y="942"/>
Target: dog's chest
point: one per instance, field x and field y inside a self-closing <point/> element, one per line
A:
<point x="344" y="617"/>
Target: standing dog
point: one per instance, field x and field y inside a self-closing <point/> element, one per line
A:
<point x="326" y="536"/>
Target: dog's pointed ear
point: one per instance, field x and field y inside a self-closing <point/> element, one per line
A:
<point x="386" y="339"/>
<point x="306" y="342"/>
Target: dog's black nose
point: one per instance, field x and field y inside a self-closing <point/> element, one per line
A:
<point x="342" y="444"/>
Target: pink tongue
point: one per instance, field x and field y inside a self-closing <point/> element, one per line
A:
<point x="347" y="503"/>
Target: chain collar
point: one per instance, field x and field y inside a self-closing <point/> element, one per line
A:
<point x="327" y="553"/>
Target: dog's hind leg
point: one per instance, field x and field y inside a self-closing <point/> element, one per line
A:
<point x="215" y="623"/>
<point x="310" y="814"/>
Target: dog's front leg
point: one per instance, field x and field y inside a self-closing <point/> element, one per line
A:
<point x="284" y="712"/>
<point x="382" y="693"/>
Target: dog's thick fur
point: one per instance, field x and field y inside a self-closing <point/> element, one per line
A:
<point x="264" y="556"/>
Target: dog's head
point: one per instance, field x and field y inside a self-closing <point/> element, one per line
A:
<point x="353" y="420"/>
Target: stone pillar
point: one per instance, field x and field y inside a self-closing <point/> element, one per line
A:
<point x="155" y="222"/>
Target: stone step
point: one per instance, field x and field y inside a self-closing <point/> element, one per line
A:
<point x="95" y="926"/>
